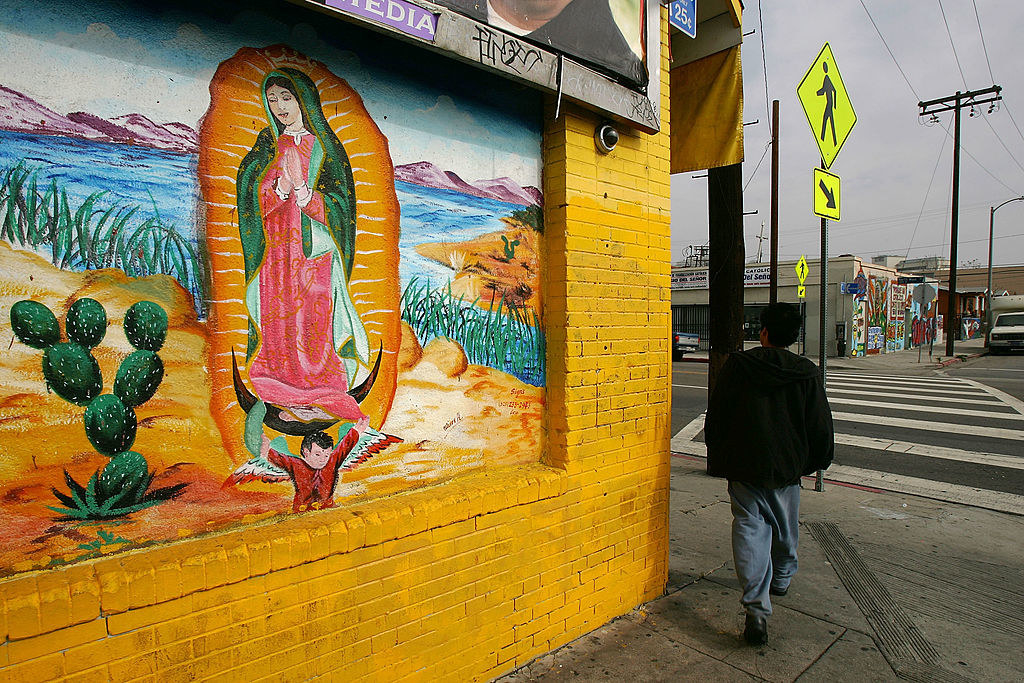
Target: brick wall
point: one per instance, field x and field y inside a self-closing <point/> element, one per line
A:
<point x="462" y="581"/>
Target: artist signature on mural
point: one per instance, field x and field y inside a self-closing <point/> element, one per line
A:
<point x="497" y="47"/>
<point x="517" y="403"/>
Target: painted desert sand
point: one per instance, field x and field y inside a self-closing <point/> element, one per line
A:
<point x="484" y="270"/>
<point x="451" y="416"/>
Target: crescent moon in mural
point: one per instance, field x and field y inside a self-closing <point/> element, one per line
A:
<point x="302" y="232"/>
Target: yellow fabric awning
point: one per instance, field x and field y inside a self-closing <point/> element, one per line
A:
<point x="707" y="112"/>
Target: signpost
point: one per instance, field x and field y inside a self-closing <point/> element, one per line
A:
<point x="831" y="116"/>
<point x="683" y="15"/>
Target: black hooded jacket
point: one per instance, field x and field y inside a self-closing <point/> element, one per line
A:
<point x="768" y="421"/>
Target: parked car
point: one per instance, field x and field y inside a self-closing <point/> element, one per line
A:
<point x="1007" y="333"/>
<point x="683" y="342"/>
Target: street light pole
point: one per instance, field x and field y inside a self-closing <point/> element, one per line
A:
<point x="988" y="291"/>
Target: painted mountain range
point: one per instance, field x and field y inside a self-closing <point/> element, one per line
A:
<point x="503" y="189"/>
<point x="19" y="112"/>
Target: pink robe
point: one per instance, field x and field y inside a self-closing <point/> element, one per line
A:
<point x="296" y="363"/>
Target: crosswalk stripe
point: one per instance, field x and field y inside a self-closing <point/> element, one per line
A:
<point x="938" y="392"/>
<point x="923" y="381"/>
<point x="916" y="408"/>
<point x="917" y="397"/>
<point x="975" y="430"/>
<point x="1006" y="398"/>
<point x="938" y="490"/>
<point x="943" y="452"/>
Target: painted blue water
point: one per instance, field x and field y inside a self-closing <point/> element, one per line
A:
<point x="432" y="215"/>
<point x="128" y="173"/>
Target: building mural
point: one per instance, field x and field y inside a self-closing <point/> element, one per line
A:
<point x="245" y="275"/>
<point x="886" y="318"/>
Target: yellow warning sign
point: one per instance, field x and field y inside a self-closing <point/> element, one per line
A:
<point x="827" y="105"/>
<point x="802" y="269"/>
<point x="826" y="194"/>
<point x="801" y="291"/>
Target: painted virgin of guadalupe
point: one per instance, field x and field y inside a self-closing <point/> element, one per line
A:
<point x="297" y="222"/>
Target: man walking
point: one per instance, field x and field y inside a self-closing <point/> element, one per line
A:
<point x="768" y="423"/>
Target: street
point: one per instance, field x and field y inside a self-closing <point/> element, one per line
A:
<point x="955" y="434"/>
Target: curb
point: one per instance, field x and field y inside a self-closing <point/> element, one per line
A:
<point x="961" y="359"/>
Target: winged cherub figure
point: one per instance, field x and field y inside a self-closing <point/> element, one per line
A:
<point x="315" y="471"/>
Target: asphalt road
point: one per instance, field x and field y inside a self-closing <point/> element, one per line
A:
<point x="957" y="433"/>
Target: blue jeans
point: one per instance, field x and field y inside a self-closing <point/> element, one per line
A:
<point x="764" y="540"/>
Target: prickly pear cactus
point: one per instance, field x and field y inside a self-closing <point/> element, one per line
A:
<point x="34" y="324"/>
<point x="110" y="425"/>
<point x="138" y="377"/>
<point x="145" y="325"/>
<point x="71" y="372"/>
<point x="86" y="322"/>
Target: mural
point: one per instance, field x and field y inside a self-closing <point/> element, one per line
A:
<point x="275" y="257"/>
<point x="876" y="314"/>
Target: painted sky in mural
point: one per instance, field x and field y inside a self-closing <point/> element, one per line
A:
<point x="180" y="57"/>
<point x="146" y="418"/>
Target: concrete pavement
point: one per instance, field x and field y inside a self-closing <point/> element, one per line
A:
<point x="907" y="362"/>
<point x="890" y="587"/>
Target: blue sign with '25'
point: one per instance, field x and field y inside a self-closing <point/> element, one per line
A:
<point x="683" y="15"/>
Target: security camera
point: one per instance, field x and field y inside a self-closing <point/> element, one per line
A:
<point x="606" y="137"/>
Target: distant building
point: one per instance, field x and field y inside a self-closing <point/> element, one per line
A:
<point x="889" y="261"/>
<point x="923" y="266"/>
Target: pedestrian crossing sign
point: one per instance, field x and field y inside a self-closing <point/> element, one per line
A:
<point x="827" y="105"/>
<point x="802" y="269"/>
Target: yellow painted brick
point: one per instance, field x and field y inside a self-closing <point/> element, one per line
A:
<point x="131" y="620"/>
<point x="49" y="668"/>
<point x="56" y="641"/>
<point x="99" y="674"/>
<point x="21" y="604"/>
<point x="54" y="601"/>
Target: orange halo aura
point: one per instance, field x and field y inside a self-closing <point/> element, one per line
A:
<point x="228" y="132"/>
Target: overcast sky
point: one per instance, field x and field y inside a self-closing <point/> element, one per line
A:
<point x="887" y="163"/>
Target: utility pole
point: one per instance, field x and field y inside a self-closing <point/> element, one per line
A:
<point x="955" y="103"/>
<point x="773" y="243"/>
<point x="760" y="241"/>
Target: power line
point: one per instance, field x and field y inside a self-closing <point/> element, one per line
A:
<point x="955" y="56"/>
<point x="983" y="46"/>
<point x="980" y="165"/>
<point x="1001" y="142"/>
<point x="754" y="172"/>
<point x="764" y="68"/>
<point x="926" y="193"/>
<point x="872" y="20"/>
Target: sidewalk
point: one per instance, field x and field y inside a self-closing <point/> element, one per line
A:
<point x="890" y="586"/>
<point x="908" y="362"/>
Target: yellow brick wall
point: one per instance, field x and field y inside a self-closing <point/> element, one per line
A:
<point x="462" y="581"/>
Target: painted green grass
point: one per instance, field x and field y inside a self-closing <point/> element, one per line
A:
<point x="97" y="233"/>
<point x="503" y="337"/>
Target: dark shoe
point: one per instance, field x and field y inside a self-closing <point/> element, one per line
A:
<point x="778" y="591"/>
<point x="756" y="630"/>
